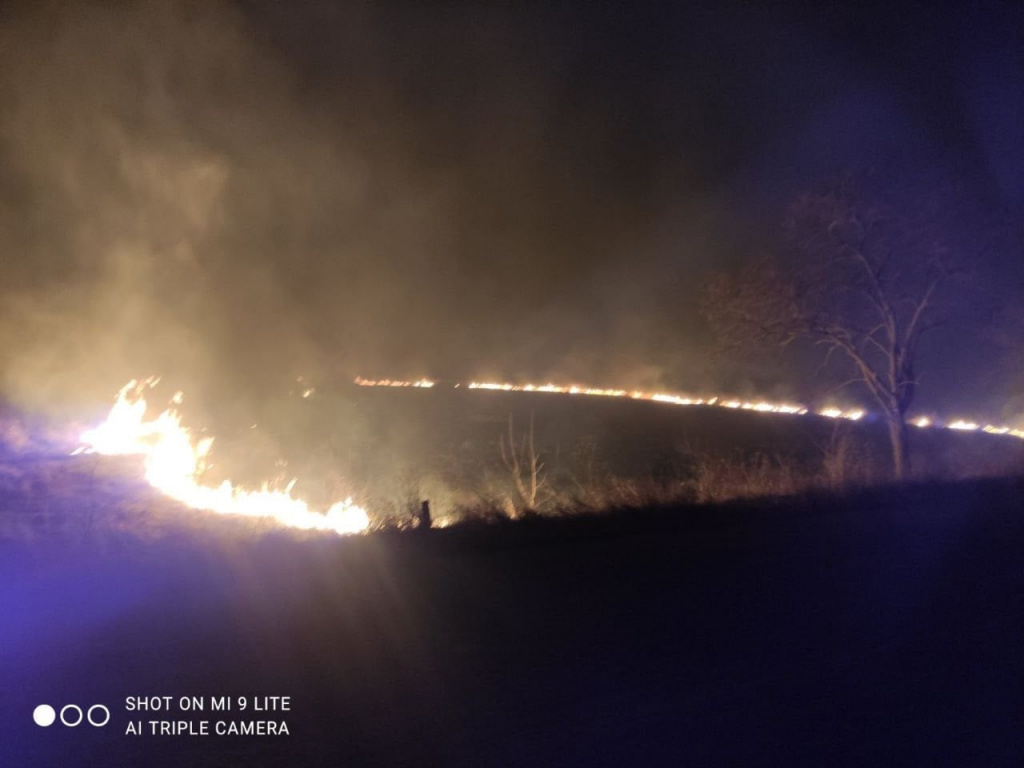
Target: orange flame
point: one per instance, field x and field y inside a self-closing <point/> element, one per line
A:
<point x="423" y="383"/>
<point x="174" y="463"/>
<point x="761" y="406"/>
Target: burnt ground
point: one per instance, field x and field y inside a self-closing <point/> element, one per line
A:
<point x="881" y="628"/>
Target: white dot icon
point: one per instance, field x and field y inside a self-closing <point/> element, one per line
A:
<point x="44" y="715"/>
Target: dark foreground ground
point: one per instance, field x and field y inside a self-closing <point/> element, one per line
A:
<point x="883" y="629"/>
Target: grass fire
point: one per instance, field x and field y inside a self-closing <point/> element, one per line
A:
<point x="484" y="384"/>
<point x="174" y="463"/>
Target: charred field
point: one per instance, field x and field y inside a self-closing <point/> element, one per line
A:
<point x="835" y="626"/>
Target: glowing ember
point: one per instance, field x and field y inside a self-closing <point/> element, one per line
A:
<point x="761" y="406"/>
<point x="969" y="426"/>
<point x="658" y="397"/>
<point x="836" y="413"/>
<point x="422" y="383"/>
<point x="174" y="463"/>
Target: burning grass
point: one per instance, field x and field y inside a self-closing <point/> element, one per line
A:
<point x="175" y="463"/>
<point x="148" y="476"/>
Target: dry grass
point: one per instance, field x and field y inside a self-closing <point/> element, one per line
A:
<point x="63" y="497"/>
<point x="724" y="478"/>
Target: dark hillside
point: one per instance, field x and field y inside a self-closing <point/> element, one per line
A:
<point x="883" y="627"/>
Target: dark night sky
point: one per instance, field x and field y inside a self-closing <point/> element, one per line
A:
<point x="231" y="194"/>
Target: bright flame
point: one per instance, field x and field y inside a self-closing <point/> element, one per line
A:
<point x="174" y="463"/>
<point x="969" y="426"/>
<point x="657" y="397"/>
<point x="836" y="413"/>
<point x="761" y="406"/>
<point x="422" y="383"/>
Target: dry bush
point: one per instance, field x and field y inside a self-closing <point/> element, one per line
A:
<point x="525" y="467"/>
<point x="719" y="478"/>
<point x="636" y="492"/>
<point x="846" y="461"/>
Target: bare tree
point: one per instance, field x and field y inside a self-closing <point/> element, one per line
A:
<point x="523" y="463"/>
<point x="865" y="276"/>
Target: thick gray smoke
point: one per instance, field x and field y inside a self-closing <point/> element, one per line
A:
<point x="236" y="194"/>
<point x="179" y="199"/>
<point x="149" y="152"/>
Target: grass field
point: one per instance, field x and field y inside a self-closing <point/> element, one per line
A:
<point x="833" y="631"/>
<point x="879" y="624"/>
<point x="392" y="448"/>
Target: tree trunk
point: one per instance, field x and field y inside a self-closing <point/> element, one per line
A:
<point x="900" y="449"/>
